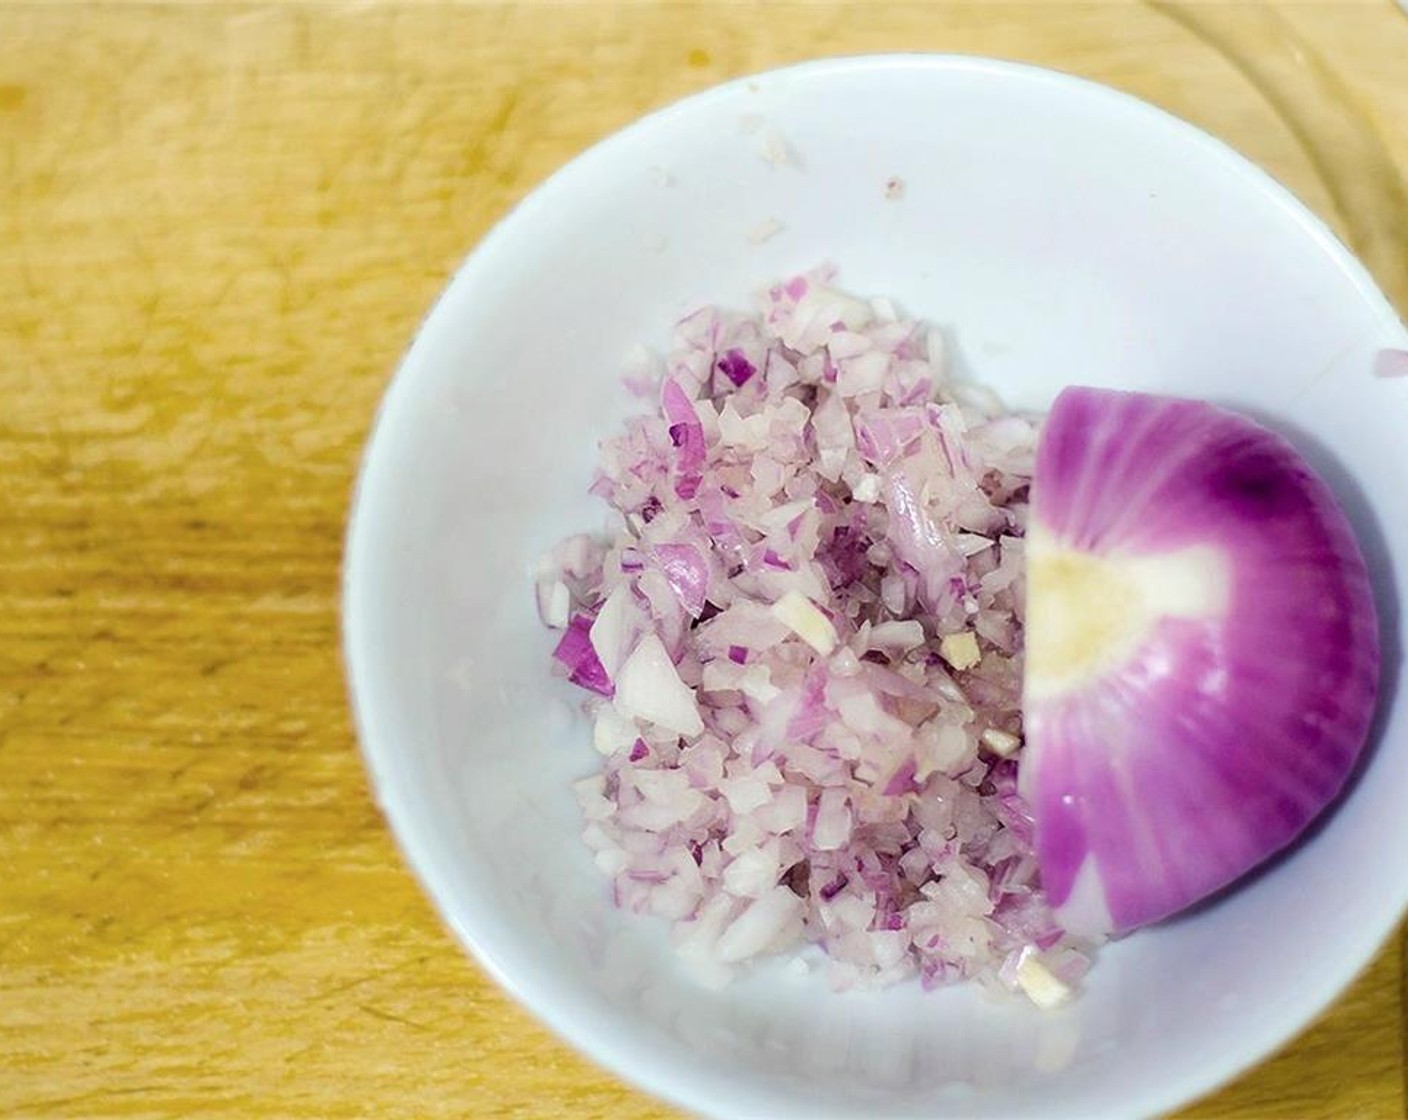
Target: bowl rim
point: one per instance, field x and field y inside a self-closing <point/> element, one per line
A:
<point x="378" y="743"/>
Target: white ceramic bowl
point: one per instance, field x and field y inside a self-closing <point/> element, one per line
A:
<point x="1066" y="233"/>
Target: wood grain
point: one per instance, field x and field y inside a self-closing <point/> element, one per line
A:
<point x="219" y="226"/>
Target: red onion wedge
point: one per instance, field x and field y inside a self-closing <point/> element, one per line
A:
<point x="1202" y="653"/>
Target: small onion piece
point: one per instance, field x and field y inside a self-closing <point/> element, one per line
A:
<point x="575" y="651"/>
<point x="1202" y="653"/>
<point x="1391" y="363"/>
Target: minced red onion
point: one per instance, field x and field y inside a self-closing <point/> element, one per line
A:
<point x="803" y="633"/>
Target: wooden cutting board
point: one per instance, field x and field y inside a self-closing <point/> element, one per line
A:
<point x="219" y="226"/>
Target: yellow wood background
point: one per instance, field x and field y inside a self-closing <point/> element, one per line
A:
<point x="219" y="226"/>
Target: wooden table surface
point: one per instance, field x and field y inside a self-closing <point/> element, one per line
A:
<point x="219" y="226"/>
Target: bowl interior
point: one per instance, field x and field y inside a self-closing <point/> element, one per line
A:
<point x="1064" y="233"/>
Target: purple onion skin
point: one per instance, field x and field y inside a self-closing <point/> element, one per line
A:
<point x="687" y="571"/>
<point x="575" y="651"/>
<point x="1218" y="740"/>
<point x="737" y="368"/>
